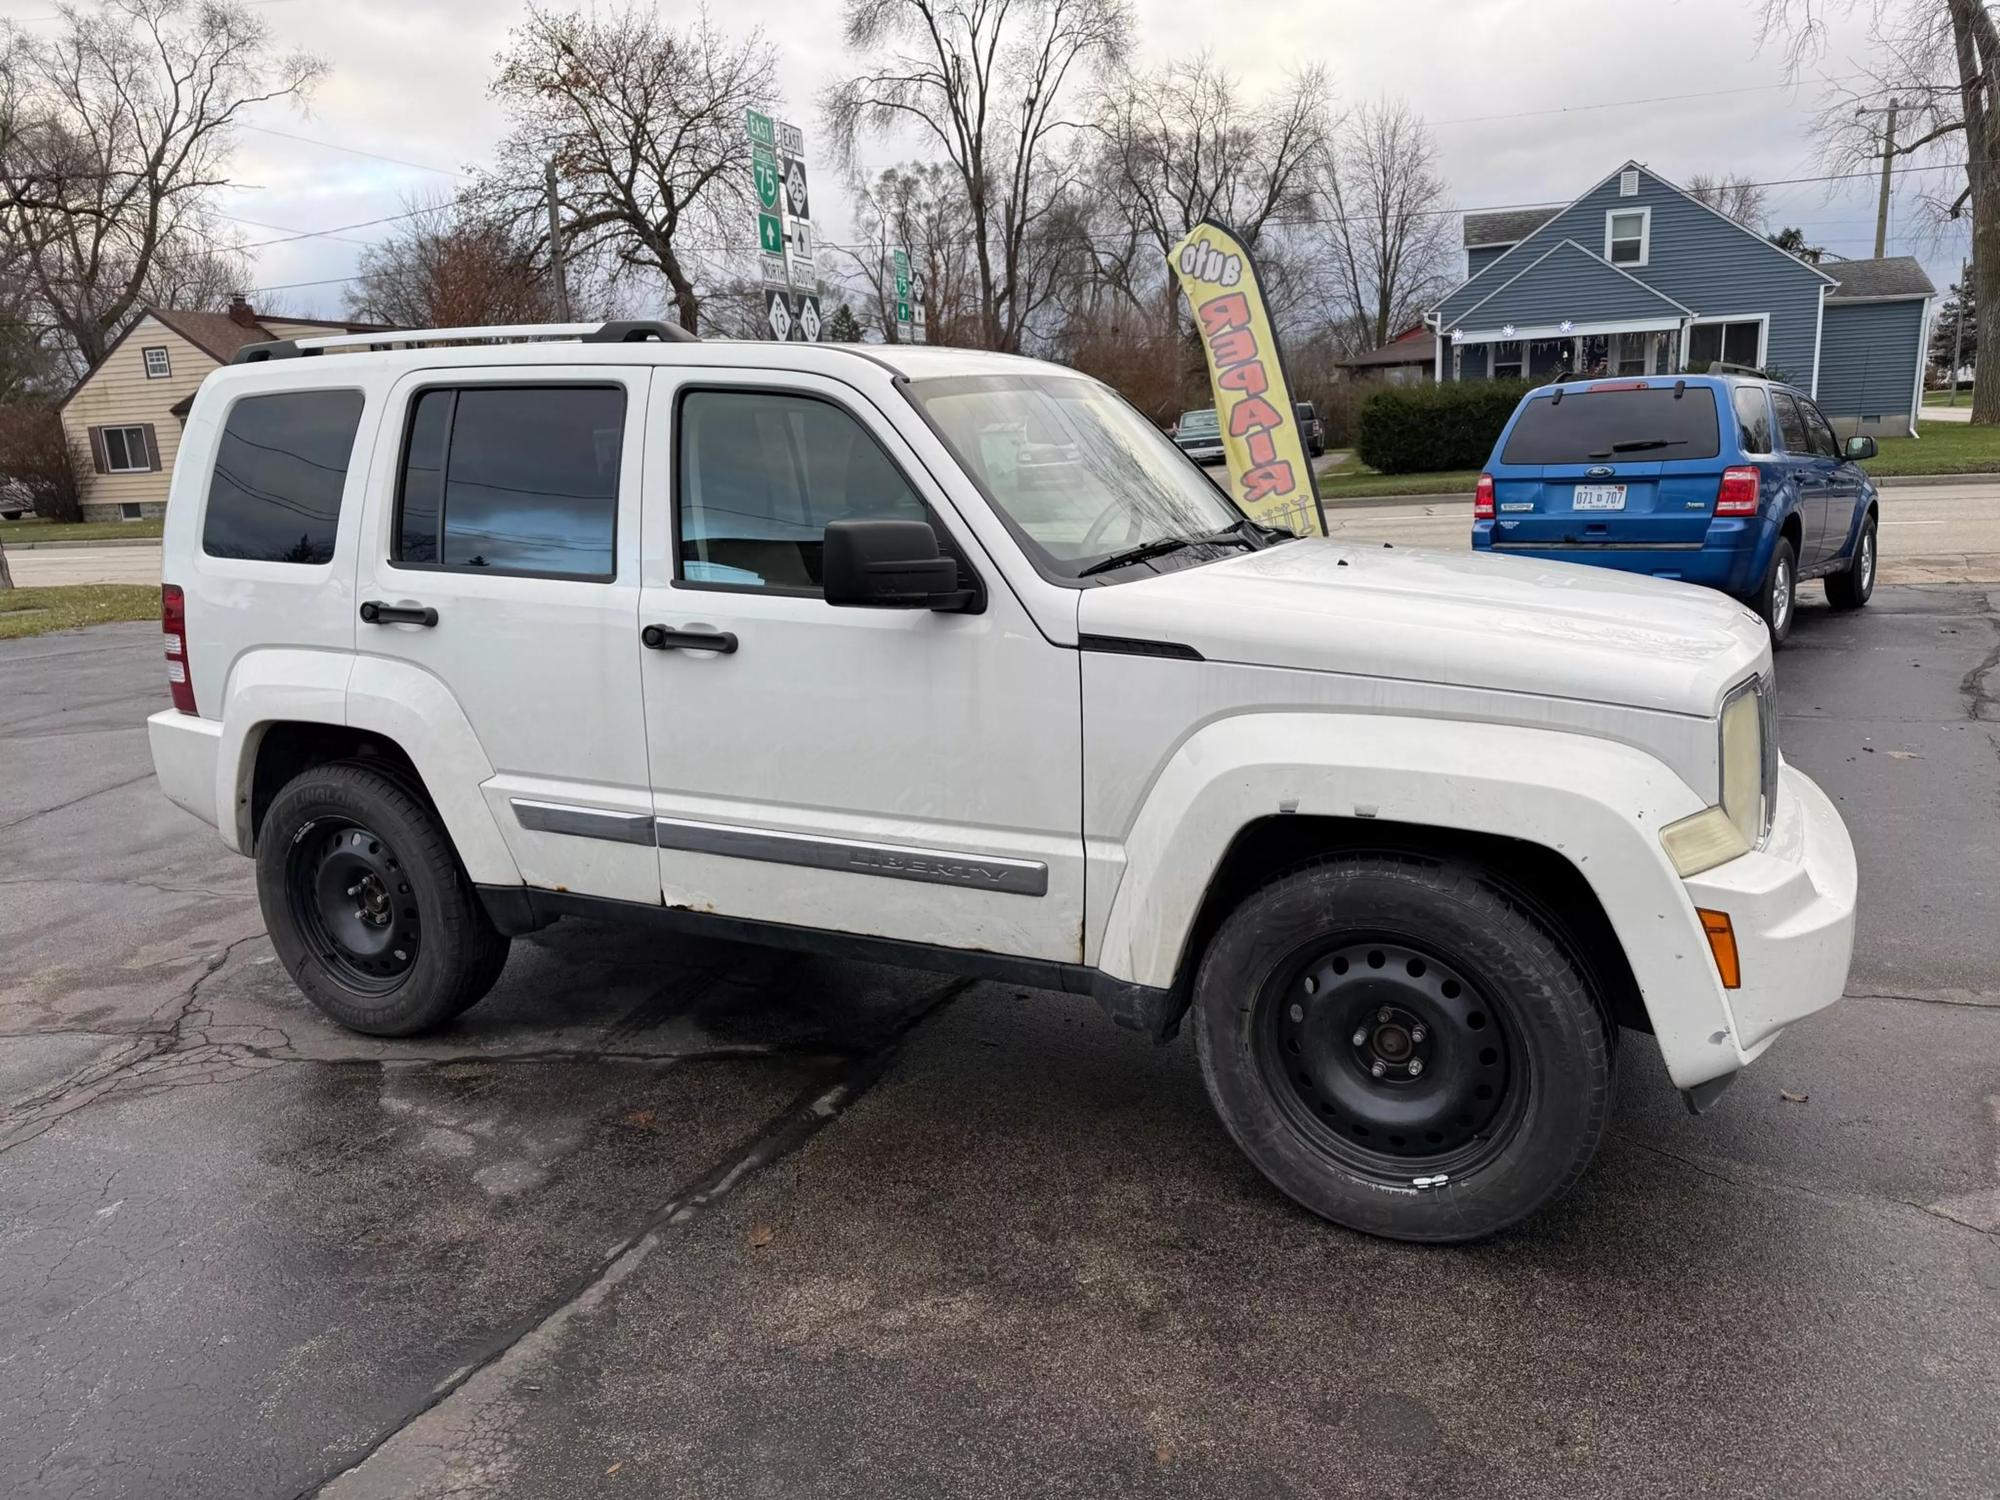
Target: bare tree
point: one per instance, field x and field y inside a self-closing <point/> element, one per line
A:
<point x="1731" y="193"/>
<point x="987" y="80"/>
<point x="919" y="207"/>
<point x="120" y="129"/>
<point x="1940" y="61"/>
<point x="644" y="123"/>
<point x="1389" y="237"/>
<point x="452" y="266"/>
<point x="1179" y="145"/>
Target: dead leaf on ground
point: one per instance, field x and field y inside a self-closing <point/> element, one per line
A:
<point x="1904" y="755"/>
<point x="614" y="1468"/>
<point x="1791" y="1098"/>
<point x="641" y="1118"/>
<point x="761" y="1235"/>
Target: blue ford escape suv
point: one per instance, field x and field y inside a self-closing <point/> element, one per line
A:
<point x="1730" y="481"/>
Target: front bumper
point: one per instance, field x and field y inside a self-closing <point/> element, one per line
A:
<point x="1203" y="453"/>
<point x="1791" y="904"/>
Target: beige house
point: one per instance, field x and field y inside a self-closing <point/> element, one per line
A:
<point x="127" y="412"/>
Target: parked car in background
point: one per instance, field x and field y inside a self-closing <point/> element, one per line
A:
<point x="1199" y="435"/>
<point x="1312" y="429"/>
<point x="1731" y="481"/>
<point x="15" y="501"/>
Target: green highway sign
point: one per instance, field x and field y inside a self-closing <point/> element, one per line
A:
<point x="902" y="311"/>
<point x="764" y="169"/>
<point x="759" y="128"/>
<point x="771" y="234"/>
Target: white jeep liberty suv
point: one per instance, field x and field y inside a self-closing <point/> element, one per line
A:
<point x="951" y="659"/>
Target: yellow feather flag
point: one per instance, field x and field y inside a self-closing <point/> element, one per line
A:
<point x="1269" y="469"/>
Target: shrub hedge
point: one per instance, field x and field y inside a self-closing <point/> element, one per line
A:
<point x="1417" y="429"/>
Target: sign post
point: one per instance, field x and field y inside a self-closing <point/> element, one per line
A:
<point x="1269" y="469"/>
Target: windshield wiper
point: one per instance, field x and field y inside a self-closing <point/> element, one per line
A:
<point x="1640" y="445"/>
<point x="1237" y="535"/>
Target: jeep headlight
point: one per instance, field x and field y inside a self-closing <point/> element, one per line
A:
<point x="1747" y="753"/>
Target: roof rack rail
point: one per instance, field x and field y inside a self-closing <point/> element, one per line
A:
<point x="619" y="331"/>
<point x="1724" y="367"/>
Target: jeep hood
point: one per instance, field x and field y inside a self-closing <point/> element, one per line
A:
<point x="1465" y="618"/>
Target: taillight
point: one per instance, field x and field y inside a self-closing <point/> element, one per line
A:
<point x="173" y="620"/>
<point x="1482" y="499"/>
<point x="1737" y="495"/>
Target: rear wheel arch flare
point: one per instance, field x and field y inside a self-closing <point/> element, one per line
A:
<point x="286" y="747"/>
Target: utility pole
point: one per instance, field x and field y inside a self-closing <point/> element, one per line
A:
<point x="1888" y="156"/>
<point x="1958" y="337"/>
<point x="556" y="251"/>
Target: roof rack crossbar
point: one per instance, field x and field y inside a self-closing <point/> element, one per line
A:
<point x="621" y="331"/>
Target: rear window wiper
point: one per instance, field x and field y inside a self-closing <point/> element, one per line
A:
<point x="1640" y="445"/>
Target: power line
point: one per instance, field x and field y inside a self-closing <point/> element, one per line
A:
<point x="308" y="140"/>
<point x="1571" y="109"/>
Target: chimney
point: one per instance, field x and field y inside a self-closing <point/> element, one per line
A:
<point x="240" y="311"/>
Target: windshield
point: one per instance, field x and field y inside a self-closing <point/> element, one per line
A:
<point x="1078" y="475"/>
<point x="1195" y="422"/>
<point x="1595" y="423"/>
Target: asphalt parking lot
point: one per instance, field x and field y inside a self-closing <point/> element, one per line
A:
<point x="666" y="1217"/>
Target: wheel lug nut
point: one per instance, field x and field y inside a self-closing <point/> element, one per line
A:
<point x="355" y="889"/>
<point x="1385" y="1015"/>
<point x="1379" y="1068"/>
<point x="1298" y="1013"/>
<point x="1361" y="1037"/>
<point x="1417" y="1033"/>
<point x="1416" y="1066"/>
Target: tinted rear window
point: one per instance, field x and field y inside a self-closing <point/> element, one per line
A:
<point x="279" y="472"/>
<point x="1607" y="426"/>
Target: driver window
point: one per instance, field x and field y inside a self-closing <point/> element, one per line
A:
<point x="1825" y="444"/>
<point x="758" y="477"/>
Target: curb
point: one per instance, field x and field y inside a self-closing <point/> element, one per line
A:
<point x="1923" y="481"/>
<point x="109" y="541"/>
<point x="1449" y="497"/>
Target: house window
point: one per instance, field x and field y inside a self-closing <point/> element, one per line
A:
<point x="1735" y="343"/>
<point x="125" y="450"/>
<point x="1628" y="234"/>
<point x="130" y="511"/>
<point x="1507" y="361"/>
<point x="158" y="367"/>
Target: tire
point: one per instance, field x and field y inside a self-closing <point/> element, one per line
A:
<point x="1292" y="1015"/>
<point x="1777" y="600"/>
<point x="414" y="948"/>
<point x="1853" y="588"/>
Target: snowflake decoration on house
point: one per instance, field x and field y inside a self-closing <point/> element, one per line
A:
<point x="1457" y="334"/>
<point x="1566" y="326"/>
<point x="1506" y="330"/>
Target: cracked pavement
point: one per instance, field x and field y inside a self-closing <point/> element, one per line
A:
<point x="674" y="1217"/>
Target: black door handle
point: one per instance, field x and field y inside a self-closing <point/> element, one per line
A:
<point x="662" y="638"/>
<point x="375" y="612"/>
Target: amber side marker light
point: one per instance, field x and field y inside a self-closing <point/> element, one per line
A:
<point x="1722" y="943"/>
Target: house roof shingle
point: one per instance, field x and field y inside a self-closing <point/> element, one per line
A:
<point x="1410" y="349"/>
<point x="213" y="333"/>
<point x="1891" y="276"/>
<point x="1506" y="226"/>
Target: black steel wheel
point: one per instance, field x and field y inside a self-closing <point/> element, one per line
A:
<point x="353" y="901"/>
<point x="1390" y="1059"/>
<point x="367" y="905"/>
<point x="1399" y="1045"/>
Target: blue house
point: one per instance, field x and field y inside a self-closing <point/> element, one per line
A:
<point x="1636" y="277"/>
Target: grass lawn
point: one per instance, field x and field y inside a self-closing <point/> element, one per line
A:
<point x="26" y="612"/>
<point x="76" y="531"/>
<point x="1944" y="448"/>
<point x="1943" y="398"/>
<point x="1349" y="477"/>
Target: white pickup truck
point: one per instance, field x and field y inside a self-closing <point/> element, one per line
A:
<point x="951" y="659"/>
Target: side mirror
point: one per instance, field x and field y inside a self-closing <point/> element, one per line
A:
<point x="887" y="565"/>
<point x="1860" y="447"/>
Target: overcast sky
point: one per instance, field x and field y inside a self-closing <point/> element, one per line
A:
<point x="1508" y="86"/>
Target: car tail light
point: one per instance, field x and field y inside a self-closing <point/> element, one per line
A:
<point x="173" y="620"/>
<point x="1737" y="495"/>
<point x="1482" y="499"/>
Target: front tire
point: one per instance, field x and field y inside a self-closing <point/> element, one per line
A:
<point x="1778" y="600"/>
<point x="1319" y="993"/>
<point x="367" y="906"/>
<point x="1853" y="588"/>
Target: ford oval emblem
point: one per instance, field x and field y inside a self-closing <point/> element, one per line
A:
<point x="1597" y="471"/>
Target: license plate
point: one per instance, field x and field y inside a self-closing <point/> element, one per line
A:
<point x="1598" y="497"/>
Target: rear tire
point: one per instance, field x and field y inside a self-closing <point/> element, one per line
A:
<point x="367" y="906"/>
<point x="1778" y="600"/>
<point x="1852" y="589"/>
<point x="1320" y="991"/>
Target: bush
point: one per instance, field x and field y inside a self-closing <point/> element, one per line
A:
<point x="1418" y="429"/>
<point x="38" y="464"/>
